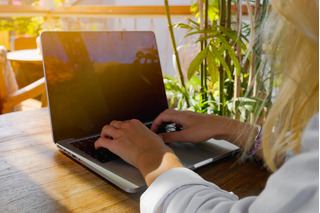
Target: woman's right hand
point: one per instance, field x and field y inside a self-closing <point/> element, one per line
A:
<point x="196" y="127"/>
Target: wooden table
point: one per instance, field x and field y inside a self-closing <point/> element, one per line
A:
<point x="25" y="56"/>
<point x="36" y="177"/>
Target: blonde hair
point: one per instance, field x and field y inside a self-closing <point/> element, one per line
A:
<point x="292" y="42"/>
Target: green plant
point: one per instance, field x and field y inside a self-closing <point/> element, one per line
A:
<point x="218" y="77"/>
<point x="31" y="26"/>
<point x="185" y="94"/>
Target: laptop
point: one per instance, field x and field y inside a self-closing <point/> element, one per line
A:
<point x="94" y="77"/>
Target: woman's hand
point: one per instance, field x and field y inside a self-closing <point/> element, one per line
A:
<point x="198" y="127"/>
<point x="138" y="146"/>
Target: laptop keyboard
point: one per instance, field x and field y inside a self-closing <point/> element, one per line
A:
<point x="104" y="155"/>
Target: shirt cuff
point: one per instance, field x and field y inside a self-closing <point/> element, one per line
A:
<point x="170" y="181"/>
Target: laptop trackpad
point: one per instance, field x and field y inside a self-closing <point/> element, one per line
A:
<point x="194" y="155"/>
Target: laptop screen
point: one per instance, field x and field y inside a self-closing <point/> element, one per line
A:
<point x="93" y="78"/>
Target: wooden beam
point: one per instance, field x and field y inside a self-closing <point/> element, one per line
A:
<point x="26" y="10"/>
<point x="23" y="10"/>
<point x="122" y="10"/>
<point x="100" y="11"/>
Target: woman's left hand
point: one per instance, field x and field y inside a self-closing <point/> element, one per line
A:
<point x="138" y="146"/>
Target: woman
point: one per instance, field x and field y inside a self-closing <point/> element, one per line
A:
<point x="290" y="135"/>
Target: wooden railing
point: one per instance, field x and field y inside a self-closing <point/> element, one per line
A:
<point x="26" y="10"/>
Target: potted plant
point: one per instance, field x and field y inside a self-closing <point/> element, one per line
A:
<point x="223" y="78"/>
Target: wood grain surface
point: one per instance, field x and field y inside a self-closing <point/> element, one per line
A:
<point x="36" y="177"/>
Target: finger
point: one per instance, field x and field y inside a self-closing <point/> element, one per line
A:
<point x="116" y="124"/>
<point x="102" y="142"/>
<point x="109" y="131"/>
<point x="166" y="116"/>
<point x="162" y="117"/>
<point x="110" y="144"/>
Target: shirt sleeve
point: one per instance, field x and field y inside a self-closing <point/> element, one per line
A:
<point x="293" y="188"/>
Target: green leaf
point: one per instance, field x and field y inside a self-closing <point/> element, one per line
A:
<point x="213" y="68"/>
<point x="232" y="55"/>
<point x="195" y="23"/>
<point x="202" y="32"/>
<point x="194" y="65"/>
<point x="218" y="54"/>
<point x="252" y="105"/>
<point x="233" y="35"/>
<point x="183" y="26"/>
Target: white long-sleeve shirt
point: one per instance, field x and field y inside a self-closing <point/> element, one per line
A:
<point x="293" y="188"/>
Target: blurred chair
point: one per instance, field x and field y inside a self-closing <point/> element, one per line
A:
<point x="4" y="39"/>
<point x="22" y="43"/>
<point x="10" y="96"/>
